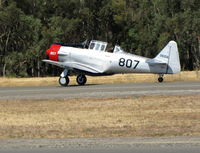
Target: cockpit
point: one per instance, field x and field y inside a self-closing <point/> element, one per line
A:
<point x="103" y="46"/>
<point x="98" y="45"/>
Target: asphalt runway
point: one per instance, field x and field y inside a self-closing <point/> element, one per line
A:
<point x="100" y="91"/>
<point x="103" y="145"/>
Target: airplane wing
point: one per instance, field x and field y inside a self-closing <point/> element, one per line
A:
<point x="74" y="65"/>
<point x="59" y="64"/>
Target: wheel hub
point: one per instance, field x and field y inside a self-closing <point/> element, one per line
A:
<point x="63" y="81"/>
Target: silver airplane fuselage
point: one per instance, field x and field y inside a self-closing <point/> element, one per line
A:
<point x="107" y="63"/>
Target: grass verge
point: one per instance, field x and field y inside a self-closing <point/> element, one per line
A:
<point x="108" y="117"/>
<point x="118" y="78"/>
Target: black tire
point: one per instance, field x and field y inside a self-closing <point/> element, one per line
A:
<point x="64" y="81"/>
<point x="81" y="79"/>
<point x="160" y="79"/>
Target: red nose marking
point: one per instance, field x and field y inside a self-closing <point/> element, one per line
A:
<point x="52" y="52"/>
<point x="48" y="51"/>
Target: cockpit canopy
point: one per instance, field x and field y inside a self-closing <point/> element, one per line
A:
<point x="103" y="46"/>
<point x="95" y="45"/>
<point x="98" y="45"/>
<point x="118" y="49"/>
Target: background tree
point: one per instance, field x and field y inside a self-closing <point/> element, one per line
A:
<point x="28" y="27"/>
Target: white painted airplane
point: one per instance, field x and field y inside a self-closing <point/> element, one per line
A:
<point x="92" y="58"/>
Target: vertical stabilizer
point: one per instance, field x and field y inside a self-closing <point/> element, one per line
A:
<point x="170" y="56"/>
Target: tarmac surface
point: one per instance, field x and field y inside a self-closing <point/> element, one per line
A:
<point x="100" y="91"/>
<point x="103" y="145"/>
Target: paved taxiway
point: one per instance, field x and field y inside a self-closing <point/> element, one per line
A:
<point x="103" y="145"/>
<point x="100" y="91"/>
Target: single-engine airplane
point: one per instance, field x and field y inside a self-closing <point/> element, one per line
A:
<point x="94" y="58"/>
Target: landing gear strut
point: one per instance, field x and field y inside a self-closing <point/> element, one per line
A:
<point x="160" y="79"/>
<point x="81" y="79"/>
<point x="64" y="79"/>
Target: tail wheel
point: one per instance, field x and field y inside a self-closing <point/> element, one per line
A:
<point x="160" y="79"/>
<point x="81" y="79"/>
<point x="64" y="81"/>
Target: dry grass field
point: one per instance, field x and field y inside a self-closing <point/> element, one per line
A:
<point x="119" y="78"/>
<point x="108" y="117"/>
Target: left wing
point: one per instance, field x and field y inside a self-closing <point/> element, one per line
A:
<point x="74" y="65"/>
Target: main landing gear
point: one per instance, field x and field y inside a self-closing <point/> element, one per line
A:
<point x="81" y="79"/>
<point x="64" y="79"/>
<point x="160" y="78"/>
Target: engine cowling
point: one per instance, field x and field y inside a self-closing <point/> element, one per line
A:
<point x="52" y="52"/>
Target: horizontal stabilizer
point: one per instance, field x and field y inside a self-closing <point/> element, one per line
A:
<point x="155" y="62"/>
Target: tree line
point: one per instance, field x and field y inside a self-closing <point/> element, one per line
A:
<point x="143" y="27"/>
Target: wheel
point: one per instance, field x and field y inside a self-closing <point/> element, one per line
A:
<point x="160" y="79"/>
<point x="81" y="79"/>
<point x="64" y="81"/>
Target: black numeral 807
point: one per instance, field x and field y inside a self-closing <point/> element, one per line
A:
<point x="128" y="63"/>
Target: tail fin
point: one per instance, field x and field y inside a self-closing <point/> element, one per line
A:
<point x="170" y="56"/>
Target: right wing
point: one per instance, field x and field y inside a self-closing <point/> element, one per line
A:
<point x="59" y="64"/>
